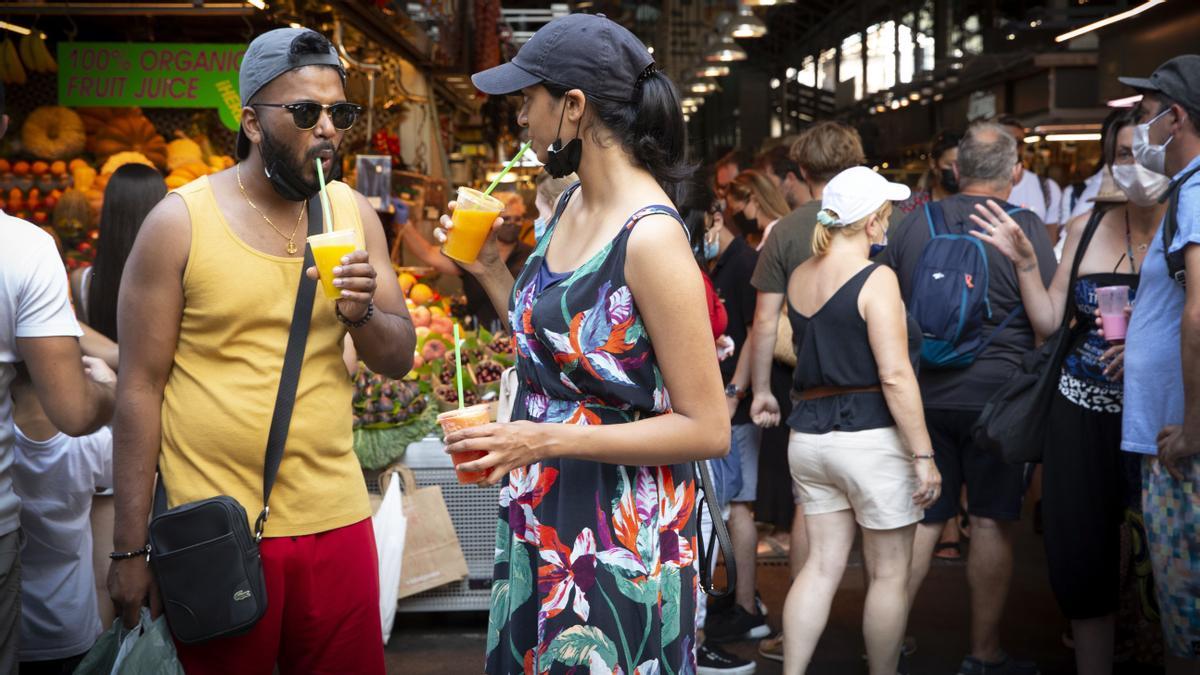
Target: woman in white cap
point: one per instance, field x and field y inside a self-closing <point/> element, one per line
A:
<point x="859" y="451"/>
<point x="619" y="391"/>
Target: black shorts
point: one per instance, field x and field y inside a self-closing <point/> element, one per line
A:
<point x="994" y="487"/>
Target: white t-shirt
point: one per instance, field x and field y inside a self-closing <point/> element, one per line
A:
<point x="1083" y="204"/>
<point x="56" y="480"/>
<point x="34" y="302"/>
<point x="1028" y="194"/>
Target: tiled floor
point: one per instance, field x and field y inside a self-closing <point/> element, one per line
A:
<point x="441" y="643"/>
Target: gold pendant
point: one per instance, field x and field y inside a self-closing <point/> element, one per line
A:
<point x="291" y="248"/>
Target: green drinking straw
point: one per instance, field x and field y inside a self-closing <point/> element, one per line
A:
<point x="507" y="167"/>
<point x="325" y="207"/>
<point x="458" y="365"/>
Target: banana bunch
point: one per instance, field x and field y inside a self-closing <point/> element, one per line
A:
<point x="11" y="70"/>
<point x="36" y="56"/>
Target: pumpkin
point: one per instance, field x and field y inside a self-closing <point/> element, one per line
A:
<point x="182" y="151"/>
<point x="54" y="132"/>
<point x="120" y="159"/>
<point x="131" y="134"/>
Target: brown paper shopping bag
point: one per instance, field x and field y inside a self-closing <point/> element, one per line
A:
<point x="432" y="554"/>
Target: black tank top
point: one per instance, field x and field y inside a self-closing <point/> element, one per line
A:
<point x="833" y="350"/>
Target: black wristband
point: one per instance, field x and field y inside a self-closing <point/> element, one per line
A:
<point x="127" y="555"/>
<point x="356" y="324"/>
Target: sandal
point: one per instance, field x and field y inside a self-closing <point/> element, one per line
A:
<point x="948" y="550"/>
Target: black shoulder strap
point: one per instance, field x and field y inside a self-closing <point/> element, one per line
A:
<point x="720" y="536"/>
<point x="1093" y="224"/>
<point x="1175" y="266"/>
<point x="285" y="399"/>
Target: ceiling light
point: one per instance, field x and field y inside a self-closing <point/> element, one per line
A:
<point x="293" y="24"/>
<point x="1032" y="139"/>
<point x="689" y="102"/>
<point x="260" y="4"/>
<point x="651" y="50"/>
<point x="1127" y="102"/>
<point x="725" y="51"/>
<point x="792" y="72"/>
<point x="768" y="3"/>
<point x="701" y="86"/>
<point x="775" y="83"/>
<point x="20" y="30"/>
<point x="1108" y="21"/>
<point x="895" y="105"/>
<point x="747" y="25"/>
<point x="1072" y="137"/>
<point x="915" y="96"/>
<point x="1011" y="36"/>
<point x="938" y="97"/>
<point x="712" y="70"/>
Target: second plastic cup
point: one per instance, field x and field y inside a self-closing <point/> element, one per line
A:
<point x="473" y="217"/>
<point x="462" y="418"/>
<point x="1112" y="301"/>
<point x="328" y="250"/>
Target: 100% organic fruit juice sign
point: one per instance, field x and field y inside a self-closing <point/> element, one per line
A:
<point x="151" y="75"/>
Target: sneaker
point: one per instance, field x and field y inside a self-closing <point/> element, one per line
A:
<point x="736" y="624"/>
<point x="772" y="648"/>
<point x="712" y="660"/>
<point x="1005" y="666"/>
<point x="724" y="604"/>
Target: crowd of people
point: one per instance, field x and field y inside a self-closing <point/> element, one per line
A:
<point x="857" y="327"/>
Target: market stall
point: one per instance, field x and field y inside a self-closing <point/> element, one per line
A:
<point x="84" y="102"/>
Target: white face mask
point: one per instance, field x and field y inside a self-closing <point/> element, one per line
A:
<point x="1141" y="185"/>
<point x="539" y="228"/>
<point x="1153" y="157"/>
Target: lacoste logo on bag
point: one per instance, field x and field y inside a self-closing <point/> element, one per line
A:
<point x="242" y="595"/>
<point x="938" y="276"/>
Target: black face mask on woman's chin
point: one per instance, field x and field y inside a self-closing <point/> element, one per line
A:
<point x="286" y="177"/>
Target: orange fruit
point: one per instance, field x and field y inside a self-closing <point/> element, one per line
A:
<point x="76" y="163"/>
<point x="5" y="167"/>
<point x="39" y="168"/>
<point x="59" y="168"/>
<point x="420" y="294"/>
<point x="21" y="168"/>
<point x="407" y="280"/>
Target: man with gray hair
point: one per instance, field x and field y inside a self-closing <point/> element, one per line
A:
<point x="954" y="397"/>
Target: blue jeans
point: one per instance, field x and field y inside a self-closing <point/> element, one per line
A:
<point x="735" y="476"/>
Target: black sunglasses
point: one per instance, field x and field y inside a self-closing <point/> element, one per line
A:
<point x="306" y="114"/>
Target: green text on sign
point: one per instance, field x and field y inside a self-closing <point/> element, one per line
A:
<point x="151" y="75"/>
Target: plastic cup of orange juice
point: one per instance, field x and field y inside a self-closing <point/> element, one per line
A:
<point x="473" y="217"/>
<point x="328" y="250"/>
<point x="462" y="418"/>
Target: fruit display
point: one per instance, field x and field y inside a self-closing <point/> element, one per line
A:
<point x="36" y="56"/>
<point x="388" y="415"/>
<point x="12" y="71"/>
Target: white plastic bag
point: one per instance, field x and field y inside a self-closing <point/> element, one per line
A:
<point x="147" y="649"/>
<point x="390" y="525"/>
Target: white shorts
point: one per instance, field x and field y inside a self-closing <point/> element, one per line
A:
<point x="869" y="472"/>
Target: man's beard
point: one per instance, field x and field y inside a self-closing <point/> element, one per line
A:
<point x="287" y="176"/>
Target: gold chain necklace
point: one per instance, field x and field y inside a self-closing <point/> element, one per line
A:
<point x="291" y="239"/>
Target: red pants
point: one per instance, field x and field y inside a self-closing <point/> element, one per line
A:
<point x="322" y="611"/>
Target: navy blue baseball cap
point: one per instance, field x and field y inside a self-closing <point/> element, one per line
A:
<point x="579" y="51"/>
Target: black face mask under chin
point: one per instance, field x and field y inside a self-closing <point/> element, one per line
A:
<point x="285" y="177"/>
<point x="949" y="181"/>
<point x="563" y="161"/>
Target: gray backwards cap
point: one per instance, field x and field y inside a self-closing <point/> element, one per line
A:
<point x="269" y="56"/>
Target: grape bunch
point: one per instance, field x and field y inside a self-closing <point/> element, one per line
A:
<point x="450" y="396"/>
<point x="501" y="344"/>
<point x="488" y="371"/>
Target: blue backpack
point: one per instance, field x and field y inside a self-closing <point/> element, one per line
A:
<point x="950" y="295"/>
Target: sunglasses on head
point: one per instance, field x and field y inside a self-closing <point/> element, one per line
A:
<point x="306" y="114"/>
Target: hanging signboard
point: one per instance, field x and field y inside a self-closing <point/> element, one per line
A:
<point x="151" y="75"/>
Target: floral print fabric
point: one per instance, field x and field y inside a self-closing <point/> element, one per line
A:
<point x="594" y="562"/>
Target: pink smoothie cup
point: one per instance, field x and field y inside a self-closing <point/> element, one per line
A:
<point x="1112" y="301"/>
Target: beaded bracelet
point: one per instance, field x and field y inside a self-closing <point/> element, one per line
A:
<point x="361" y="322"/>
<point x="916" y="457"/>
<point x="128" y="555"/>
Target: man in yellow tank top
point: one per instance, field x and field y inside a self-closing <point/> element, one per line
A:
<point x="205" y="310"/>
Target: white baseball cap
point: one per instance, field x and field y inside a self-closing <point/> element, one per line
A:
<point x="855" y="194"/>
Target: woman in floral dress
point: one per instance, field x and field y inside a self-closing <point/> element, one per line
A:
<point x="595" y="544"/>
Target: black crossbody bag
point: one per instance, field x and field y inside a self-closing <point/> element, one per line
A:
<point x="203" y="556"/>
